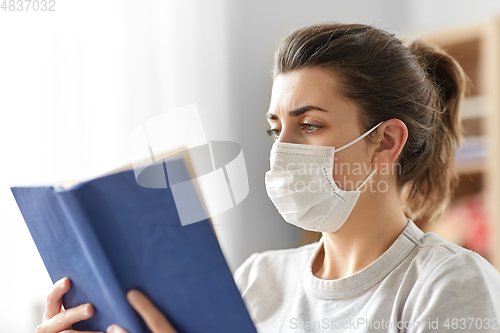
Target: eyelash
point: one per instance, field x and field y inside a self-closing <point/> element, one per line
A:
<point x="274" y="132"/>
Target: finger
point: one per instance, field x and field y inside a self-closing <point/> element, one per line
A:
<point x="63" y="320"/>
<point x="155" y="320"/>
<point x="54" y="299"/>
<point x="115" y="329"/>
<point x="73" y="331"/>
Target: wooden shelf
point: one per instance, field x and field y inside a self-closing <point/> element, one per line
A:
<point x="477" y="49"/>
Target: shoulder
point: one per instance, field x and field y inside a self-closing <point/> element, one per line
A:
<point x="271" y="264"/>
<point x="453" y="282"/>
<point x="433" y="258"/>
<point x="438" y="258"/>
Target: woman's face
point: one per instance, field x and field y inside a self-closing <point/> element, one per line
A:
<point x="307" y="108"/>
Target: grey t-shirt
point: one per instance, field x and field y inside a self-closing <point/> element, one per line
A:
<point x="420" y="284"/>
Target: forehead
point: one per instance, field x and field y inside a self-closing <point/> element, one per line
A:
<point x="305" y="86"/>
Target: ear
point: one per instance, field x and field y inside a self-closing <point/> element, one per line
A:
<point x="390" y="138"/>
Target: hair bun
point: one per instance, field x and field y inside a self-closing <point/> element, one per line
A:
<point x="444" y="72"/>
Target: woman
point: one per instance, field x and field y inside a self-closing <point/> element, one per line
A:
<point x="365" y="130"/>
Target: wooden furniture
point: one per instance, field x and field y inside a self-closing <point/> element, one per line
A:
<point x="477" y="49"/>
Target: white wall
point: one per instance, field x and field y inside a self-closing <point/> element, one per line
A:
<point x="61" y="110"/>
<point x="429" y="15"/>
<point x="73" y="84"/>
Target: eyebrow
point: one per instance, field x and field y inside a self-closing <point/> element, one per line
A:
<point x="295" y="113"/>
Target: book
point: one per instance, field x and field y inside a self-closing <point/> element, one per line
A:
<point x="109" y="235"/>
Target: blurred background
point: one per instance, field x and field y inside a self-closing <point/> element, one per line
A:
<point x="76" y="81"/>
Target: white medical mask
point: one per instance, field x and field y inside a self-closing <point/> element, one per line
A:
<point x="301" y="186"/>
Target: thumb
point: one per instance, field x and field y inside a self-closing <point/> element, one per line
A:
<point x="115" y="329"/>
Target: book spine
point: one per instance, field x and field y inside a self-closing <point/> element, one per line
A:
<point x="109" y="284"/>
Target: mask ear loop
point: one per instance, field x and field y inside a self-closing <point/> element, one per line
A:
<point x="366" y="180"/>
<point x="353" y="142"/>
<point x="361" y="137"/>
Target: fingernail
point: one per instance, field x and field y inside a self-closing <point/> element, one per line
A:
<point x="110" y="329"/>
<point x="133" y="295"/>
<point x="89" y="309"/>
<point x="61" y="282"/>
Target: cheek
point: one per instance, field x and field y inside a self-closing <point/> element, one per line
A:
<point x="350" y="170"/>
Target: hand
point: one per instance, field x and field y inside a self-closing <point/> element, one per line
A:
<point x="155" y="320"/>
<point x="55" y="319"/>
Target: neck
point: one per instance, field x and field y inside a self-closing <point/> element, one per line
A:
<point x="372" y="227"/>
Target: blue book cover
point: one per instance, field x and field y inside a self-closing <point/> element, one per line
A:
<point x="109" y="235"/>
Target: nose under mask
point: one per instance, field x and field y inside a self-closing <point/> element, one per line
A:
<point x="300" y="184"/>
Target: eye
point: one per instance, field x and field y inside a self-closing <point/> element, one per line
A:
<point x="273" y="132"/>
<point x="311" y="128"/>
